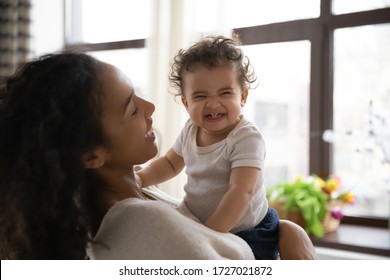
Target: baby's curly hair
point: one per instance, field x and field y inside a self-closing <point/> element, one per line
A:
<point x="211" y="51"/>
<point x="49" y="116"/>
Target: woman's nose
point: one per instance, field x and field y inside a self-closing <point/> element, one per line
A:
<point x="150" y="108"/>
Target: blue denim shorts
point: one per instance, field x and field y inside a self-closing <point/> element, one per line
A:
<point x="264" y="238"/>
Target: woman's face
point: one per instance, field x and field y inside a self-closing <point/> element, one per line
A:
<point x="127" y="122"/>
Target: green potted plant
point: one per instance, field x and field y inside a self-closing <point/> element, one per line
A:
<point x="310" y="202"/>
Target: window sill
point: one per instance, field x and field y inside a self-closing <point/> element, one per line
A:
<point x="357" y="238"/>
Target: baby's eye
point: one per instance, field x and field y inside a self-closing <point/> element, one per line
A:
<point x="225" y="93"/>
<point x="135" y="111"/>
<point x="198" y="97"/>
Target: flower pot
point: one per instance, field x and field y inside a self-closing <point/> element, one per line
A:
<point x="294" y="216"/>
<point x="330" y="223"/>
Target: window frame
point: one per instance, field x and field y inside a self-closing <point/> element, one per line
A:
<point x="107" y="46"/>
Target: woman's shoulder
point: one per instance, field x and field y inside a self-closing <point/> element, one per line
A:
<point x="158" y="194"/>
<point x="142" y="229"/>
<point x="160" y="208"/>
<point x="131" y="208"/>
<point x="130" y="228"/>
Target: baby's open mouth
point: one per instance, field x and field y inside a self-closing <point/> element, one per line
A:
<point x="150" y="133"/>
<point x="214" y="116"/>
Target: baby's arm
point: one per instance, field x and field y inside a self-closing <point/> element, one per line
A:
<point x="235" y="202"/>
<point x="161" y="169"/>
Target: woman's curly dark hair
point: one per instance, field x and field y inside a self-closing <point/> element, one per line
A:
<point x="49" y="116"/>
<point x="211" y="51"/>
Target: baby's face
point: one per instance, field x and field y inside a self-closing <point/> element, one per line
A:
<point x="213" y="97"/>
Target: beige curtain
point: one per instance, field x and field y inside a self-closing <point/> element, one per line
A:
<point x="14" y="34"/>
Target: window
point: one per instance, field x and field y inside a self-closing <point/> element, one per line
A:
<point x="252" y="13"/>
<point x="361" y="145"/>
<point x="346" y="6"/>
<point x="279" y="105"/>
<point x="108" y="21"/>
<point x="106" y="29"/>
<point x="348" y="91"/>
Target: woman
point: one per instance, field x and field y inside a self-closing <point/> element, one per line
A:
<point x="71" y="131"/>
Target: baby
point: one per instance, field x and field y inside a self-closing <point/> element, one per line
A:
<point x="222" y="151"/>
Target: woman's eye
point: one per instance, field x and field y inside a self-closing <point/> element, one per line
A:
<point x="135" y="111"/>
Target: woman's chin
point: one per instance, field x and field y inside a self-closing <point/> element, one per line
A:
<point x="154" y="152"/>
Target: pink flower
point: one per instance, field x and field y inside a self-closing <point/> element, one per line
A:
<point x="337" y="213"/>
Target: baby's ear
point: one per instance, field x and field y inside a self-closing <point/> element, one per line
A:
<point x="244" y="96"/>
<point x="184" y="101"/>
<point x="94" y="158"/>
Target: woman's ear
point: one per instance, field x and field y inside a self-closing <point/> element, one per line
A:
<point x="94" y="158"/>
<point x="244" y="96"/>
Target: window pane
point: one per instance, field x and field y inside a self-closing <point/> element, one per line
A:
<point x="113" y="20"/>
<point x="132" y="62"/>
<point x="256" y="12"/>
<point x="280" y="106"/>
<point x="361" y="115"/>
<point x="211" y="15"/>
<point x="348" y="6"/>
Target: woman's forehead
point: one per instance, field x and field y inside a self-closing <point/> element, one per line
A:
<point x="113" y="77"/>
<point x="116" y="86"/>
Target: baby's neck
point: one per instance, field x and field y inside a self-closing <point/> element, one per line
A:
<point x="206" y="138"/>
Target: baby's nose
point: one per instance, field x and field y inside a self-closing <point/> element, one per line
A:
<point x="213" y="102"/>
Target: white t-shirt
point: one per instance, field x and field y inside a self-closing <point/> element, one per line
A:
<point x="155" y="230"/>
<point x="208" y="170"/>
